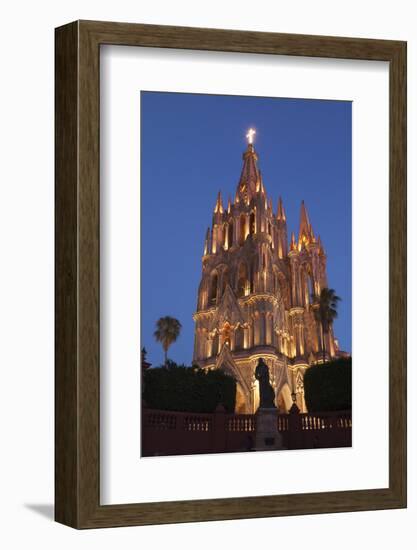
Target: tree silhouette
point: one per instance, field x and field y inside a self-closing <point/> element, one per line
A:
<point x="325" y="312"/>
<point x="167" y="331"/>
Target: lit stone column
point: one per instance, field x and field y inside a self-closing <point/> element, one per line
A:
<point x="299" y="288"/>
<point x="300" y="335"/>
<point x="261" y="340"/>
<point x="304" y="409"/>
<point x="268" y="321"/>
<point x="200" y="344"/>
<point x="301" y="338"/>
<point x="232" y="340"/>
<point x="214" y="240"/>
<point x="246" y="228"/>
<point x="294" y="285"/>
<point x="298" y="325"/>
<point x="209" y="347"/>
<point x="286" y="345"/>
<point x="256" y="329"/>
<point x="295" y="276"/>
<point x="245" y="338"/>
<point x="251" y="333"/>
<point x="236" y="230"/>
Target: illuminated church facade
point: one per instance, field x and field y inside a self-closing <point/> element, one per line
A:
<point x="256" y="296"/>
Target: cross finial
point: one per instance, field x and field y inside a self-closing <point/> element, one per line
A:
<point x="250" y="135"/>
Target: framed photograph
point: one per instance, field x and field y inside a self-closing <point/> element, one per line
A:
<point x="230" y="274"/>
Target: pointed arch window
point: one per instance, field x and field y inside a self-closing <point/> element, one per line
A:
<point x="202" y="293"/>
<point x="225" y="278"/>
<point x="243" y="286"/>
<point x="310" y="288"/>
<point x="225" y="236"/>
<point x="230" y="234"/>
<point x="213" y="289"/>
<point x="239" y="338"/>
<point x="308" y="285"/>
<point x="242" y="228"/>
<point x="252" y="223"/>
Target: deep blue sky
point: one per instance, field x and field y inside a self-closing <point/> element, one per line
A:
<point x="192" y="147"/>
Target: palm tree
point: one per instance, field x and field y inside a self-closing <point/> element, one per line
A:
<point x="325" y="312"/>
<point x="167" y="331"/>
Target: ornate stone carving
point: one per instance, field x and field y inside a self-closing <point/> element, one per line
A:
<point x="254" y="299"/>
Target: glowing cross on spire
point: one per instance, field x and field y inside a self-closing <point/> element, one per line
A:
<point x="250" y="135"/>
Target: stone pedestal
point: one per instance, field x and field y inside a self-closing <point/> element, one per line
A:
<point x="267" y="436"/>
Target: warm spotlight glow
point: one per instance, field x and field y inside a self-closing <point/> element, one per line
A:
<point x="250" y="135"/>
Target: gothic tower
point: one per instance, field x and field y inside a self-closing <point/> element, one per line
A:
<point x="255" y="296"/>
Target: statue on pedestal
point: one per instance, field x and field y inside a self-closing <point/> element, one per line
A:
<point x="267" y="436"/>
<point x="266" y="391"/>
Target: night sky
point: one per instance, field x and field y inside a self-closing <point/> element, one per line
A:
<point x="192" y="147"/>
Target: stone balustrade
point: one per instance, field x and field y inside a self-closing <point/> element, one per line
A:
<point x="172" y="433"/>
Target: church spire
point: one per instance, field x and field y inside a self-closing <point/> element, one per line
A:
<point x="250" y="178"/>
<point x="305" y="233"/>
<point x="280" y="211"/>
<point x="304" y="221"/>
<point x="219" y="204"/>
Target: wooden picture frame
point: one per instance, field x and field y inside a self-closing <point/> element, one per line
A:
<point x="77" y="405"/>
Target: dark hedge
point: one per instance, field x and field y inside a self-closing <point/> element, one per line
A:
<point x="188" y="389"/>
<point x="328" y="387"/>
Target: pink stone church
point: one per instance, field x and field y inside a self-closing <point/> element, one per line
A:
<point x="257" y="295"/>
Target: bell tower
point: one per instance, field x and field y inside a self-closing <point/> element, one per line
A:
<point x="255" y="298"/>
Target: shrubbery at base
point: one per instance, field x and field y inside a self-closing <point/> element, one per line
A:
<point x="328" y="387"/>
<point x="188" y="389"/>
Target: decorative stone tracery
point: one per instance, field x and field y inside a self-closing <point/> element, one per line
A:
<point x="256" y="294"/>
